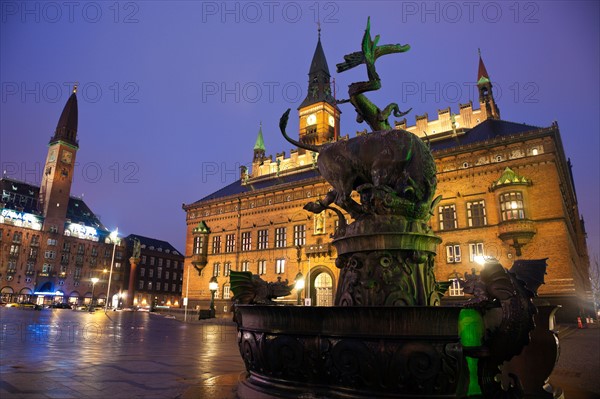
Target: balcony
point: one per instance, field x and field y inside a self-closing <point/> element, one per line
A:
<point x="199" y="261"/>
<point x="517" y="233"/>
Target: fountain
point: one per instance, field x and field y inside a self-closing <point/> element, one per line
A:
<point x="387" y="335"/>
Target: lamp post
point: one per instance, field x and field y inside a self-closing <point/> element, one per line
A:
<point x="213" y="285"/>
<point x="299" y="284"/>
<point x="94" y="281"/>
<point x="115" y="240"/>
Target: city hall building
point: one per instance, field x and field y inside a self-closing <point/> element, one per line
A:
<point x="507" y="192"/>
<point x="51" y="244"/>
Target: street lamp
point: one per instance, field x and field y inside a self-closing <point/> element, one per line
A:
<point x="115" y="240"/>
<point x="213" y="286"/>
<point x="94" y="281"/>
<point x="299" y="284"/>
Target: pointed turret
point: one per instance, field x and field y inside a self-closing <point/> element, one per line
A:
<point x="319" y="79"/>
<point x="259" y="146"/>
<point x="482" y="74"/>
<point x="486" y="96"/>
<point x="66" y="129"/>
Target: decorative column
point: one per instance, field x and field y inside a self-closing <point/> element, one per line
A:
<point x="133" y="261"/>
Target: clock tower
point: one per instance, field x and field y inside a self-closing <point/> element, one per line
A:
<point x="57" y="175"/>
<point x="318" y="113"/>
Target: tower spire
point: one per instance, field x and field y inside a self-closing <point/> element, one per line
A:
<point x="486" y="96"/>
<point x="319" y="78"/>
<point x="319" y="114"/>
<point x="259" y="146"/>
<point x="482" y="74"/>
<point x="66" y="129"/>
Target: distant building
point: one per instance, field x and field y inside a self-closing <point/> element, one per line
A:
<point x="52" y="244"/>
<point x="159" y="274"/>
<point x="507" y="191"/>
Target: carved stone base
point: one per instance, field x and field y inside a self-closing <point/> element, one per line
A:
<point x="387" y="269"/>
<point x="350" y="352"/>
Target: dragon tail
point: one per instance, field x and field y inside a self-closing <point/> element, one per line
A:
<point x="283" y="124"/>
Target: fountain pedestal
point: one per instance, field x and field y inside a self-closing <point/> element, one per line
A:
<point x="350" y="352"/>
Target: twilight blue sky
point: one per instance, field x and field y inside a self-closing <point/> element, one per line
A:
<point x="172" y="93"/>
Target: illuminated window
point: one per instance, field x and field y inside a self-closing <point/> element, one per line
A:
<point x="511" y="206"/>
<point x="280" y="237"/>
<point x="263" y="239"/>
<point x="226" y="269"/>
<point x="142" y="272"/>
<point x="447" y="217"/>
<point x="216" y="269"/>
<point x="197" y="245"/>
<point x="476" y="214"/>
<point x="226" y="292"/>
<point x="475" y="251"/>
<point x="141" y="285"/>
<point x="159" y="272"/>
<point x="299" y="234"/>
<point x="245" y="266"/>
<point x="280" y="266"/>
<point x="216" y="247"/>
<point x="246" y="241"/>
<point x="455" y="289"/>
<point x="230" y="243"/>
<point x="14" y="250"/>
<point x="262" y="267"/>
<point x="453" y="253"/>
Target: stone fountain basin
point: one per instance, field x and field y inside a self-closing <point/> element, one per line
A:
<point x="350" y="352"/>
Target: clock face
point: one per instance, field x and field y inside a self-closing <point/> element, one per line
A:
<point x="52" y="156"/>
<point x="311" y="119"/>
<point x="67" y="157"/>
<point x="331" y="120"/>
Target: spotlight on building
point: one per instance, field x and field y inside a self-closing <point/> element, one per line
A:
<point x="299" y="286"/>
<point x="213" y="286"/>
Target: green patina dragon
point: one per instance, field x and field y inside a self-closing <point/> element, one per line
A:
<point x="366" y="111"/>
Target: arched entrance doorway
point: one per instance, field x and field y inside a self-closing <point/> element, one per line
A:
<point x="322" y="282"/>
<point x="323" y="290"/>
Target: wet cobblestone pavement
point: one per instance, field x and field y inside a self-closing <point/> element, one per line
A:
<point x="69" y="354"/>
